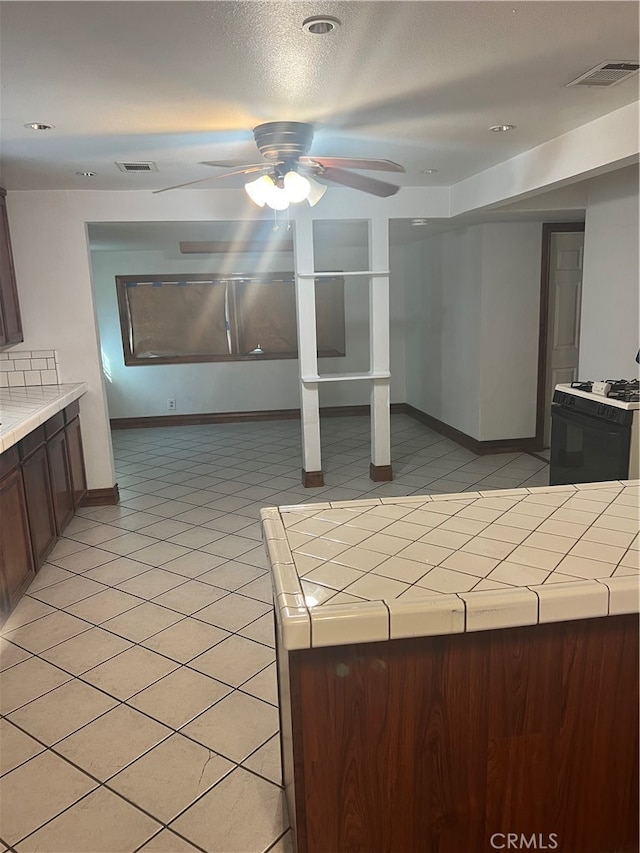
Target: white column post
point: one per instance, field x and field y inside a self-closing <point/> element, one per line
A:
<point x="307" y="351"/>
<point x="379" y="349"/>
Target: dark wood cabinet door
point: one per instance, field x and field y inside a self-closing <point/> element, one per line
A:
<point x="10" y="322"/>
<point x="76" y="462"/>
<point x="42" y="521"/>
<point x="60" y="474"/>
<point x="16" y="558"/>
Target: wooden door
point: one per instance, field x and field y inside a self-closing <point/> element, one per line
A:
<point x="16" y="557"/>
<point x="10" y="322"/>
<point x="564" y="302"/>
<point x="76" y="462"/>
<point x="40" y="509"/>
<point x="60" y="474"/>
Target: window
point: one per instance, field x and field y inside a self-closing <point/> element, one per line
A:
<point x="174" y="319"/>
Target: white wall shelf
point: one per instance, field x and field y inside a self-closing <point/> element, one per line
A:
<point x="340" y="274"/>
<point x="345" y="377"/>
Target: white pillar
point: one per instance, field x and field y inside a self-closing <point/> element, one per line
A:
<point x="379" y="348"/>
<point x="307" y="351"/>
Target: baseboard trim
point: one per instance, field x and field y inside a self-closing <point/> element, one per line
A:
<point x="539" y="456"/>
<point x="312" y="479"/>
<point x="205" y="418"/>
<point x="481" y="448"/>
<point x="102" y="497"/>
<point x="380" y="473"/>
<point x="506" y="445"/>
<point x="242" y="417"/>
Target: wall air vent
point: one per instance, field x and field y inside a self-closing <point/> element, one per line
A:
<point x="137" y="167"/>
<point x="607" y="73"/>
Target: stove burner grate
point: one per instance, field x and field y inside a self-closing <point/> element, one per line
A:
<point x="625" y="390"/>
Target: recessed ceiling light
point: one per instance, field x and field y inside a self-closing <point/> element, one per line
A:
<point x="37" y="125"/>
<point x="502" y="128"/>
<point x="86" y="174"/>
<point x="428" y="171"/>
<point x="320" y="24"/>
<point x="417" y="222"/>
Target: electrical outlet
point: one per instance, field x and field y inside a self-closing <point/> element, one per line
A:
<point x="171" y="404"/>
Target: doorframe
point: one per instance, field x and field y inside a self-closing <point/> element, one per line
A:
<point x="548" y="228"/>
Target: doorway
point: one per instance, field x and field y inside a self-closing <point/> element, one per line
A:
<point x="560" y="303"/>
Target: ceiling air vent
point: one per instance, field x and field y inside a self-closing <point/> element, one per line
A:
<point x="137" y="167"/>
<point x="607" y="73"/>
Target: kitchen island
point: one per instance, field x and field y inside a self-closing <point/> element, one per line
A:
<point x="456" y="668"/>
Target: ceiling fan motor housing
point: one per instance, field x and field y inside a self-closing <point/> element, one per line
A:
<point x="283" y="141"/>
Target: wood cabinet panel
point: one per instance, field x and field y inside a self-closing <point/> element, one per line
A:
<point x="76" y="462"/>
<point x="10" y="322"/>
<point x="9" y="460"/>
<point x="60" y="473"/>
<point x="53" y="425"/>
<point x="42" y="521"/>
<point x="16" y="558"/>
<point x="432" y="745"/>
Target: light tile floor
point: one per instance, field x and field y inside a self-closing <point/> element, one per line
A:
<point x="138" y="701"/>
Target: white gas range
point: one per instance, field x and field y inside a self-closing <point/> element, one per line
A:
<point x="595" y="432"/>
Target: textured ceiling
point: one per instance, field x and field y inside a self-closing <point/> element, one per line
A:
<point x="182" y="82"/>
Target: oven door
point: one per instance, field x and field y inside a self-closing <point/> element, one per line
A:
<point x="586" y="449"/>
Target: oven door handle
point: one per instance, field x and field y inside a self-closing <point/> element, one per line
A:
<point x="571" y="416"/>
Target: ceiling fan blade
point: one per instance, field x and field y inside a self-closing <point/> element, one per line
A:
<point x="245" y="171"/>
<point x="358" y="182"/>
<point x="354" y="163"/>
<point x="231" y="164"/>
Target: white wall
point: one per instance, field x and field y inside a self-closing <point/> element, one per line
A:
<point x="472" y="329"/>
<point x="51" y="258"/>
<point x="142" y="391"/>
<point x="510" y="310"/>
<point x="600" y="146"/>
<point x="609" y="337"/>
<point x="443" y="334"/>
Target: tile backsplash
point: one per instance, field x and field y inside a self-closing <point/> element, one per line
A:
<point x="19" y="368"/>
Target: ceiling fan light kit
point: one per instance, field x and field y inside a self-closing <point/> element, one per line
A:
<point x="296" y="186"/>
<point x="316" y="191"/>
<point x="280" y="192"/>
<point x="265" y="191"/>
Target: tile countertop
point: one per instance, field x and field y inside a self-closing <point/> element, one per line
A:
<point x="22" y="409"/>
<point x="370" y="570"/>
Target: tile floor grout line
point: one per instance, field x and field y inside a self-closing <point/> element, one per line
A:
<point x="120" y="701"/>
<point x="57" y="609"/>
<point x="133" y="643"/>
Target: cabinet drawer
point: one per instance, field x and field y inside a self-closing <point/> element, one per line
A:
<point x="54" y="425"/>
<point x="72" y="411"/>
<point x="30" y="443"/>
<point x="9" y="460"/>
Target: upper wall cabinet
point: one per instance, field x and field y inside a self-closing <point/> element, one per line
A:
<point x="10" y="322"/>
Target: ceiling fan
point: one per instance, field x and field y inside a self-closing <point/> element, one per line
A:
<point x="288" y="175"/>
